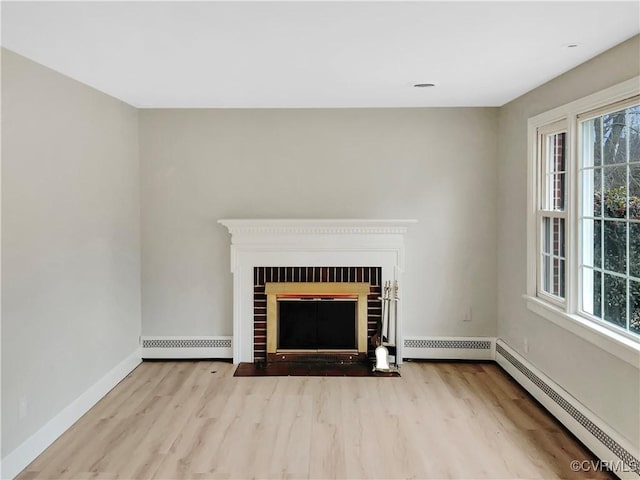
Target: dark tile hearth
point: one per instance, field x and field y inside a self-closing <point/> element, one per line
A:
<point x="308" y="369"/>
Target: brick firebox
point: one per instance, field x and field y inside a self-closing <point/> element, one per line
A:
<point x="262" y="275"/>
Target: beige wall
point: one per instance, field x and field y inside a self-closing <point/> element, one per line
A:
<point x="605" y="384"/>
<point x="70" y="241"/>
<point x="435" y="165"/>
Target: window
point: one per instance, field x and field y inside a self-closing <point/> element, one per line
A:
<point x="609" y="156"/>
<point x="552" y="212"/>
<point x="584" y="215"/>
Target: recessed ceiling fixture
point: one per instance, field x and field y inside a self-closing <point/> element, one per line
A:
<point x="424" y="85"/>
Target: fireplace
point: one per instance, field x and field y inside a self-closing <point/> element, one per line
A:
<point x="326" y="311"/>
<point x="308" y="250"/>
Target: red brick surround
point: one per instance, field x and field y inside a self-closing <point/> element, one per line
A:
<point x="262" y="275"/>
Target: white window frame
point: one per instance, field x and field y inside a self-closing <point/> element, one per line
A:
<point x="542" y="172"/>
<point x="568" y="314"/>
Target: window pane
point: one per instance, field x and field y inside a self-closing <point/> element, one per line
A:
<point x="557" y="191"/>
<point x="597" y="243"/>
<point x="553" y="249"/>
<point x="592" y="192"/>
<point x="591" y="239"/>
<point x="554" y="276"/>
<point x="546" y="273"/>
<point x="546" y="235"/>
<point x="634" y="249"/>
<point x="558" y="237"/>
<point x="615" y="246"/>
<point x="559" y="152"/>
<point x="597" y="144"/>
<point x="597" y="192"/>
<point x="588" y="284"/>
<point x="633" y="120"/>
<point x="614" y="134"/>
<point x="592" y="138"/>
<point x="560" y="278"/>
<point x="597" y="293"/>
<point x="615" y="300"/>
<point x="634" y="191"/>
<point x="556" y="152"/>
<point x="615" y="191"/>
<point x="553" y="197"/>
<point x="634" y="318"/>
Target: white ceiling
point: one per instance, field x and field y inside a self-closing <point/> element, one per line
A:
<point x="314" y="54"/>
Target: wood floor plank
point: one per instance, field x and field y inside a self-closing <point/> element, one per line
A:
<point x="194" y="420"/>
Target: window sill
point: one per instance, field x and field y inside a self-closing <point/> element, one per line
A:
<point x="609" y="341"/>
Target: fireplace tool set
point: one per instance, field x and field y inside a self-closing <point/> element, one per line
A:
<point x="387" y="335"/>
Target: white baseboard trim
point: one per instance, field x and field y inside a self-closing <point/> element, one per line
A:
<point x="610" y="447"/>
<point x="449" y="348"/>
<point x="186" y="347"/>
<point x="23" y="455"/>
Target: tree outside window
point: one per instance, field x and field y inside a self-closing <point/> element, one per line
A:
<point x="610" y="218"/>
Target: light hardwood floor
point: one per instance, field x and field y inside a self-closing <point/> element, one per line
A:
<point x="179" y="420"/>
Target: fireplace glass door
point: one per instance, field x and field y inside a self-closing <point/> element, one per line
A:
<point x="317" y="324"/>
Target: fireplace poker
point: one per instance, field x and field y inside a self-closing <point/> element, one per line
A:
<point x="395" y="319"/>
<point x="381" y="352"/>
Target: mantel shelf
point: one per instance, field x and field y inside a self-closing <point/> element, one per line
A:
<point x="318" y="226"/>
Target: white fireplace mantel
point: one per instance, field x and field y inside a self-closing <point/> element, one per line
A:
<point x="307" y="243"/>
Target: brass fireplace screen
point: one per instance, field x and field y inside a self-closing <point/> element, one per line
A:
<point x="339" y="312"/>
